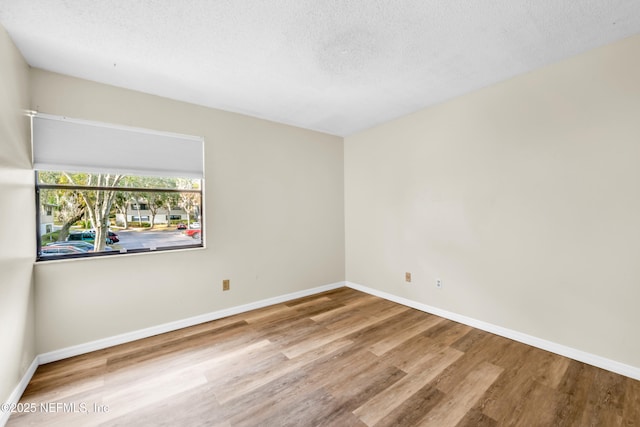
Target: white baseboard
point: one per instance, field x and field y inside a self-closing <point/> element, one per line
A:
<point x="16" y="394"/>
<point x="100" y="344"/>
<point x="572" y="353"/>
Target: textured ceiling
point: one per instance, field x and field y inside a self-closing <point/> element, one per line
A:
<point x="333" y="66"/>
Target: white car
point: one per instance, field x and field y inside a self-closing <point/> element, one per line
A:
<point x="194" y="225"/>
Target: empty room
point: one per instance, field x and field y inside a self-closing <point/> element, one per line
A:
<point x="300" y="213"/>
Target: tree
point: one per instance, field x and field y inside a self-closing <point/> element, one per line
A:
<point x="136" y="202"/>
<point x="70" y="207"/>
<point x="189" y="202"/>
<point x="172" y="200"/>
<point x="70" y="218"/>
<point x="98" y="202"/>
<point x="121" y="204"/>
<point x="156" y="200"/>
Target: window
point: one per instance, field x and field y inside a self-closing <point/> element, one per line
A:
<point x="104" y="203"/>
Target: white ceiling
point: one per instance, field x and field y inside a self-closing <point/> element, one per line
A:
<point x="337" y="66"/>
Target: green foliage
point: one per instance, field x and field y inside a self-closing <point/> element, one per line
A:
<point x="130" y="181"/>
<point x="49" y="237"/>
<point x="136" y="224"/>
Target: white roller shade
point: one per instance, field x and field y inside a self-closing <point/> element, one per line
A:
<point x="64" y="144"/>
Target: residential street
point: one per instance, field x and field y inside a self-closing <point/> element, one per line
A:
<point x="131" y="239"/>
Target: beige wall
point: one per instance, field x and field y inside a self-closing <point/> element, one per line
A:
<point x="524" y="198"/>
<point x="274" y="220"/>
<point x="17" y="221"/>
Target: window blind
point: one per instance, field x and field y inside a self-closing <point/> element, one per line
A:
<point x="66" y="144"/>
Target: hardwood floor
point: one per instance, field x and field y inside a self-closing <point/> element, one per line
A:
<point x="340" y="358"/>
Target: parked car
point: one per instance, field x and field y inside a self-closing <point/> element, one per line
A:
<point x="78" y="244"/>
<point x="193" y="232"/>
<point x="181" y="226"/>
<point x="60" y="250"/>
<point x="194" y="225"/>
<point x="85" y="236"/>
<point x="113" y="236"/>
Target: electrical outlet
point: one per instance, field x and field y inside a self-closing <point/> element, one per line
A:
<point x="407" y="277"/>
<point x="225" y="284"/>
<point x="438" y="283"/>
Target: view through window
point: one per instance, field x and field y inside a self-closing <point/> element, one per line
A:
<point x="84" y="214"/>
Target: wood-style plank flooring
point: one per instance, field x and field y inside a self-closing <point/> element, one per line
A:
<point x="340" y="358"/>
